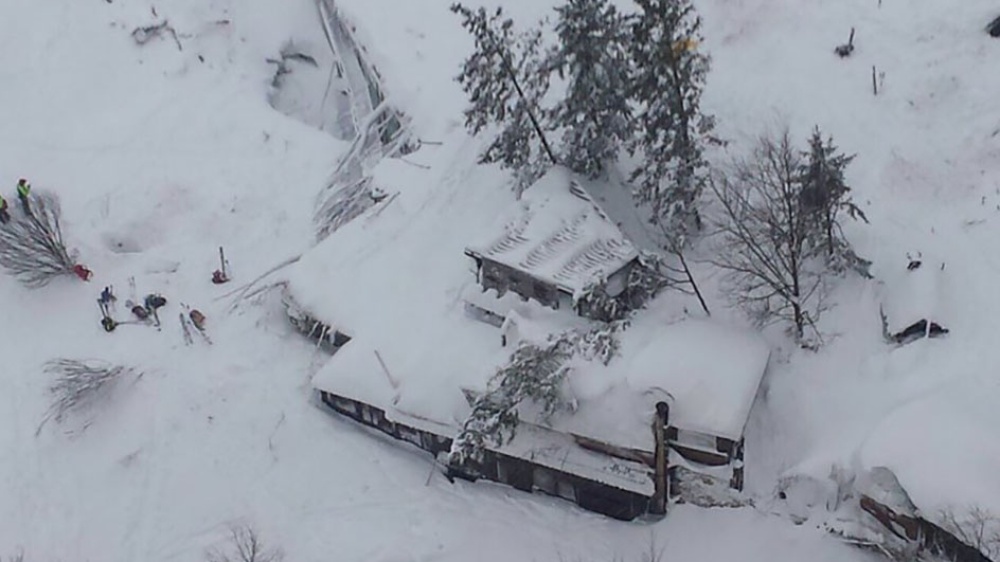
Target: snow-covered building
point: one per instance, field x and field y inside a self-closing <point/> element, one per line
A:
<point x="677" y="394"/>
<point x="559" y="248"/>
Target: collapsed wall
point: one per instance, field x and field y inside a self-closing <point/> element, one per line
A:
<point x="379" y="128"/>
<point x="871" y="508"/>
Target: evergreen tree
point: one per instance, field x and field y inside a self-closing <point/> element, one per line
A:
<point x="506" y="78"/>
<point x="594" y="115"/>
<point x="824" y="195"/>
<point x="669" y="76"/>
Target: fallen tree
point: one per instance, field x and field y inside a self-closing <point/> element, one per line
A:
<point x="31" y="244"/>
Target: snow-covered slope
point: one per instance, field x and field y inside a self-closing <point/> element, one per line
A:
<point x="160" y="155"/>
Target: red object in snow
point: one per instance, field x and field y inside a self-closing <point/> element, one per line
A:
<point x="82" y="272"/>
<point x="218" y="277"/>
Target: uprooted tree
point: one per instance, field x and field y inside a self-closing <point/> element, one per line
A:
<point x="535" y="372"/>
<point x="82" y="385"/>
<point x="31" y="244"/>
<point x="769" y="229"/>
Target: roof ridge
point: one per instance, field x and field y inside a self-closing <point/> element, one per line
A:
<point x="577" y="189"/>
<point x="591" y="256"/>
<point x="512" y="236"/>
<point x="568" y="233"/>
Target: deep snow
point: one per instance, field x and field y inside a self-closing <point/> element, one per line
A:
<point x="160" y="157"/>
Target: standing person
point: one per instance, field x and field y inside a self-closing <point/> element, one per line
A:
<point x="23" y="190"/>
<point x="4" y="215"/>
<point x="107" y="297"/>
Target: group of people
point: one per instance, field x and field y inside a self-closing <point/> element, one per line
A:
<point x="23" y="190"/>
<point x="144" y="313"/>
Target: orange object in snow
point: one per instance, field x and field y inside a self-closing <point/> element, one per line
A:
<point x="198" y="319"/>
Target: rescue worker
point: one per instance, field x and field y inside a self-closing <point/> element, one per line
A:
<point x="154" y="301"/>
<point x="4" y="215"/>
<point x="107" y="297"/>
<point x="23" y="190"/>
<point x="109" y="324"/>
<point x="140" y="312"/>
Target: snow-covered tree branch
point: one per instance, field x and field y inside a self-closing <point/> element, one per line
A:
<point x="669" y="76"/>
<point x="535" y="372"/>
<point x="594" y="116"/>
<point x="506" y="78"/>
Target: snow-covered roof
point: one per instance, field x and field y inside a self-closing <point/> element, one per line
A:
<point x="558" y="234"/>
<point x="707" y="372"/>
<point x="399" y="284"/>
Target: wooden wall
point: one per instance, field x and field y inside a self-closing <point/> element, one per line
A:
<point x="497" y="467"/>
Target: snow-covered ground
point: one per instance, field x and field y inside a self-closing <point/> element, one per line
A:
<point x="160" y="155"/>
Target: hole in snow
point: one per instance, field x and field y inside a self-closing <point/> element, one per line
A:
<point x="308" y="85"/>
<point x="122" y="244"/>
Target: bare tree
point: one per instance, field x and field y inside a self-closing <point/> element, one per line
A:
<point x="764" y="232"/>
<point x="244" y="545"/>
<point x="81" y="384"/>
<point x="978" y="528"/>
<point x="31" y="244"/>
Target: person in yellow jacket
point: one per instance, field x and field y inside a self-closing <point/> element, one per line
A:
<point x="23" y="190"/>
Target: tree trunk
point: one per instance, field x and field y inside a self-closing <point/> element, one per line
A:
<point x="509" y="68"/>
<point x="829" y="233"/>
<point x="694" y="285"/>
<point x="800" y="320"/>
<point x="661" y="480"/>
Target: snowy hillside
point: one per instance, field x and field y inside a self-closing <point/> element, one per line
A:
<point x="163" y="152"/>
